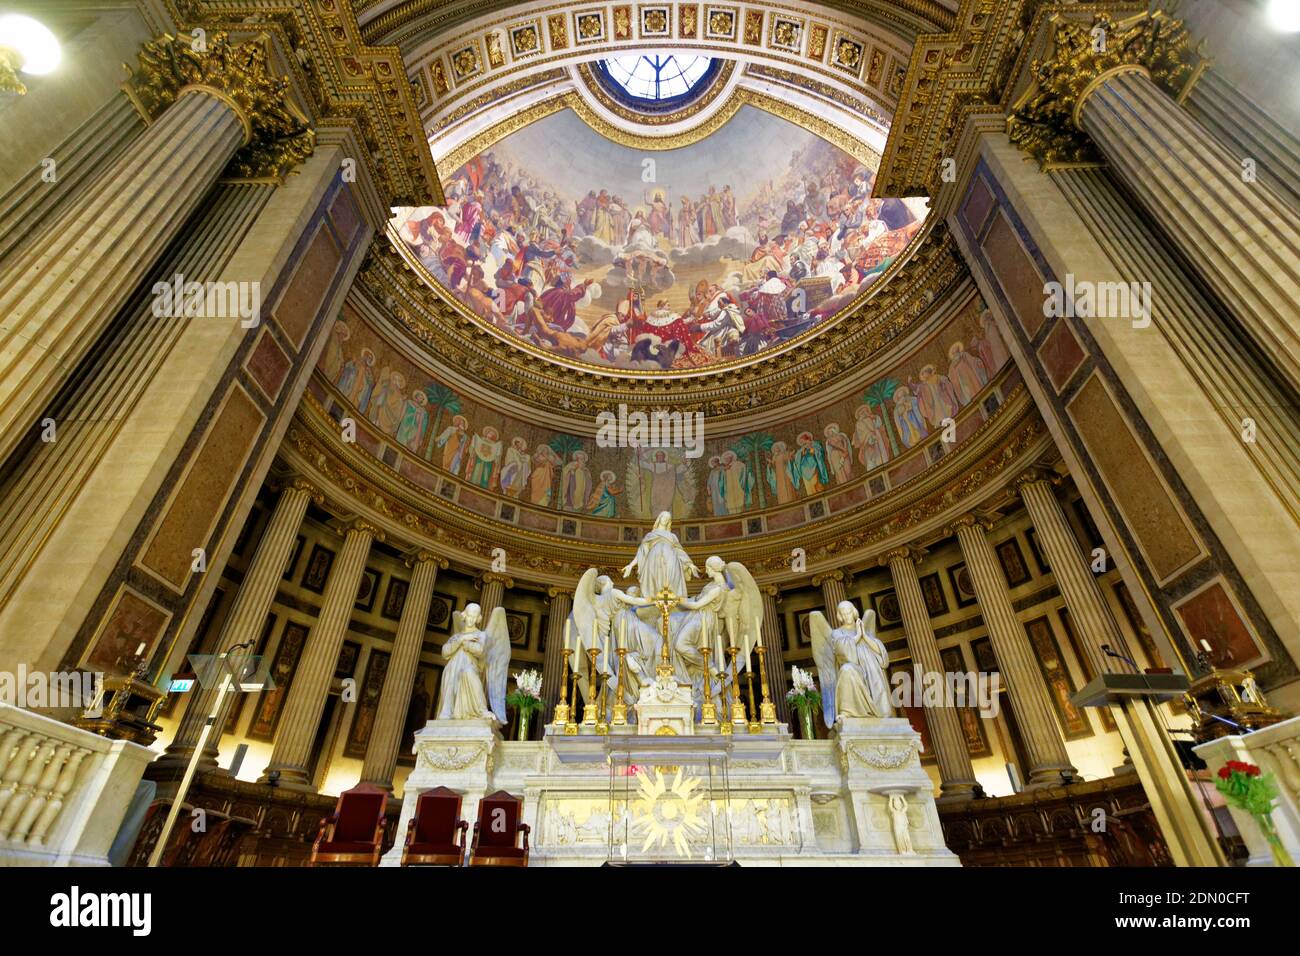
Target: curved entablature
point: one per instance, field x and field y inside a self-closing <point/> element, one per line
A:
<point x="977" y="474"/>
<point x="442" y="326"/>
<point x="432" y="433"/>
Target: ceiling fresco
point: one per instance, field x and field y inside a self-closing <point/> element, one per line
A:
<point x="670" y="260"/>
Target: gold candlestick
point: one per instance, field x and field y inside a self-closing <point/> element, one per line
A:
<point x="708" y="712"/>
<point x="589" y="710"/>
<point x="755" y="726"/>
<point x="733" y="695"/>
<point x="767" y="711"/>
<point x="602" y="700"/>
<point x="562" y="708"/>
<point x="620" y="705"/>
<point x="725" y="726"/>
<point x="571" y="728"/>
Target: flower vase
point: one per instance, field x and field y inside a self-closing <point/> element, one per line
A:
<point x="806" y="721"/>
<point x="525" y="718"/>
<point x="1280" y="855"/>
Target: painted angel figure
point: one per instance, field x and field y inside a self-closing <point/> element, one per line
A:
<point x="474" y="679"/>
<point x="661" y="561"/>
<point x="850" y="664"/>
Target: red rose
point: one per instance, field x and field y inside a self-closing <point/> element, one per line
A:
<point x="1224" y="773"/>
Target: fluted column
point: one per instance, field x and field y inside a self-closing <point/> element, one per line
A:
<point x="395" y="699"/>
<point x="1194" y="189"/>
<point x="775" y="646"/>
<point x="311" y="682"/>
<point x="832" y="585"/>
<point x="553" y="666"/>
<point x="492" y="593"/>
<point x="60" y="293"/>
<point x="1092" y="618"/>
<point x="247" y="618"/>
<point x="1112" y="100"/>
<point x="1044" y="745"/>
<point x="1175" y="805"/>
<point x="955" y="771"/>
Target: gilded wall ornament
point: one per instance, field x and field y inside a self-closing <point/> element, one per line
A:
<point x="277" y="136"/>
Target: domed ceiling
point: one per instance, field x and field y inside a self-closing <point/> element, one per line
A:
<point x="587" y="247"/>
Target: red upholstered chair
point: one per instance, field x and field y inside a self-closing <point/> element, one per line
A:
<point x="497" y="831"/>
<point x="354" y="833"/>
<point x="436" y="834"/>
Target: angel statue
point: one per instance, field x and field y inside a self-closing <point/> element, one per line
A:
<point x="474" y="678"/>
<point x="596" y="605"/>
<point x="730" y="599"/>
<point x="851" y="664"/>
<point x="661" y="561"/>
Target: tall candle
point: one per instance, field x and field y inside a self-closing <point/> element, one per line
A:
<point x="568" y="639"/>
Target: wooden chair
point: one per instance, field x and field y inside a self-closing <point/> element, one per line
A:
<point x="497" y="831"/>
<point x="353" y="835"/>
<point x="436" y="834"/>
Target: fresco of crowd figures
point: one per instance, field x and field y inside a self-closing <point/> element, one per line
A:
<point x="567" y="473"/>
<point x="680" y="259"/>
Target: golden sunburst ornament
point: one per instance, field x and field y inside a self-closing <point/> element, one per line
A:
<point x="668" y="814"/>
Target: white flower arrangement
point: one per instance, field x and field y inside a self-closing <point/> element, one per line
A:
<point x="529" y="683"/>
<point x="803" y="693"/>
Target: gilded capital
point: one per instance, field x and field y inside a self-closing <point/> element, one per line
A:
<point x="308" y="488"/>
<point x="493" y="577"/>
<point x="362" y="526"/>
<point x="1045" y="121"/>
<point x="905" y="552"/>
<point x="834" y="575"/>
<point x="277" y="137"/>
<point x="971" y="520"/>
<point x="425" y="556"/>
<point x="1030" y="476"/>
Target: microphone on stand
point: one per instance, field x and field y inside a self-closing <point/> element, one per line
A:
<point x="1111" y="652"/>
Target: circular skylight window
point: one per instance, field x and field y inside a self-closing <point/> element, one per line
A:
<point x="657" y="76"/>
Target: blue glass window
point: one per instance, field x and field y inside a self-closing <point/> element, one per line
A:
<point x="657" y="76"/>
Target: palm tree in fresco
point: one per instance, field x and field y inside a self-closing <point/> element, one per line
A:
<point x="876" y="396"/>
<point x="441" y="399"/>
<point x="565" y="445"/>
<point x="751" y="449"/>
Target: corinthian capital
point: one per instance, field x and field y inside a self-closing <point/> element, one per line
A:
<point x="277" y="136"/>
<point x="1045" y="121"/>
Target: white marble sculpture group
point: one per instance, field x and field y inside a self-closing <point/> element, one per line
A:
<point x="726" y="612"/>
